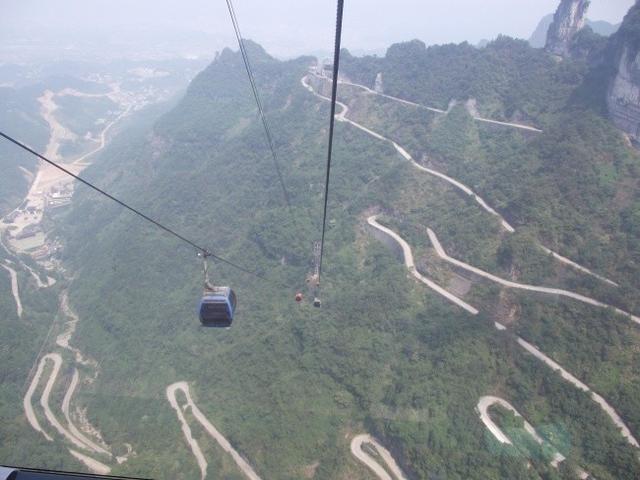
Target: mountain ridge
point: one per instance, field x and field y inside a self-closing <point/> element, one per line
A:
<point x="196" y="172"/>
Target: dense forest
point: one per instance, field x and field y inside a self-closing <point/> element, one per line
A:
<point x="289" y="385"/>
<point x="20" y="109"/>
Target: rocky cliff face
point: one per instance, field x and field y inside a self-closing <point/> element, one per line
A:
<point x="567" y="21"/>
<point x="379" y="87"/>
<point x="623" y="98"/>
<point x="623" y="95"/>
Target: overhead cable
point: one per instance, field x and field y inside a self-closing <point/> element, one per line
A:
<point x="334" y="95"/>
<point x="256" y="95"/>
<point x="205" y="252"/>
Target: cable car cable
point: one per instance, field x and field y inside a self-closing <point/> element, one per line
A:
<point x="256" y="95"/>
<point x="334" y="95"/>
<point x="263" y="117"/>
<point x="202" y="250"/>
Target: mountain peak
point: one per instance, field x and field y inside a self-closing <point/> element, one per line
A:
<point x="567" y="21"/>
<point x="255" y="51"/>
<point x="623" y="96"/>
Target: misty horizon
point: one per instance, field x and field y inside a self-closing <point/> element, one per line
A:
<point x="199" y="28"/>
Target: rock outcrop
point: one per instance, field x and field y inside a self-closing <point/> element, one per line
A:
<point x="567" y="21"/>
<point x="623" y="94"/>
<point x="623" y="99"/>
<point x="379" y="87"/>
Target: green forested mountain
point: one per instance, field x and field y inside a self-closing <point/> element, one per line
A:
<point x="290" y="385"/>
<point x="19" y="108"/>
<point x="539" y="36"/>
<point x="575" y="183"/>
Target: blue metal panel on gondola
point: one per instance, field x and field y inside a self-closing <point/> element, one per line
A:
<point x="217" y="307"/>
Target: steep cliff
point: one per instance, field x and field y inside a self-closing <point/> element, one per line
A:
<point x="538" y="38"/>
<point x="567" y="21"/>
<point x="623" y="95"/>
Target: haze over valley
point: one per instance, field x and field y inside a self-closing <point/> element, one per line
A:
<point x="480" y="293"/>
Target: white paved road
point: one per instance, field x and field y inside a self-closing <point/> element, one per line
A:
<point x="92" y="464"/>
<point x="437" y="110"/>
<point x="409" y="263"/>
<point x="604" y="405"/>
<point x="483" y="410"/>
<point x="242" y="464"/>
<point x="66" y="402"/>
<point x="15" y="291"/>
<point x="452" y="181"/>
<point x="27" y="402"/>
<point x="521" y="286"/>
<point x="357" y="451"/>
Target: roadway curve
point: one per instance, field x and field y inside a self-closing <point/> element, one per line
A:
<point x="103" y="136"/>
<point x="457" y="184"/>
<point x="66" y="402"/>
<point x="436" y="110"/>
<point x="73" y="435"/>
<point x="92" y="464"/>
<point x="371" y="463"/>
<point x="50" y="281"/>
<point x="64" y="338"/>
<point x="242" y="464"/>
<point x="408" y="259"/>
<point x="604" y="405"/>
<point x="409" y="263"/>
<point x="56" y="359"/>
<point x="27" y="402"/>
<point x="522" y="286"/>
<point x="483" y="410"/>
<point x="14" y="289"/>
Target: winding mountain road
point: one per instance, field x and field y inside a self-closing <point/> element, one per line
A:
<point x="15" y="291"/>
<point x="27" y="402"/>
<point x="66" y="402"/>
<point x="64" y="338"/>
<point x="103" y="136"/>
<point x="44" y="401"/>
<point x="604" y="405"/>
<point x="435" y="110"/>
<point x="409" y="263"/>
<point x="577" y="266"/>
<point x="483" y="410"/>
<point x="50" y="281"/>
<point x="522" y="286"/>
<point x="341" y="116"/>
<point x="91" y="463"/>
<point x="73" y="434"/>
<point x="242" y="464"/>
<point x="47" y="178"/>
<point x="357" y="451"/>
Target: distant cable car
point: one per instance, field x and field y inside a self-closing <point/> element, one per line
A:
<point x="217" y="307"/>
<point x="218" y="304"/>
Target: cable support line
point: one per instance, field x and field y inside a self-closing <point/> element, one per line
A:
<point x="334" y="96"/>
<point x="256" y="95"/>
<point x="205" y="252"/>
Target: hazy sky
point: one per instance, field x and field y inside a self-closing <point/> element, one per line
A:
<point x="290" y="27"/>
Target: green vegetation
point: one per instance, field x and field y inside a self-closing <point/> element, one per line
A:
<point x="289" y="385"/>
<point x="19" y="116"/>
<point x="21" y="341"/>
<point x="508" y="78"/>
<point x="79" y="114"/>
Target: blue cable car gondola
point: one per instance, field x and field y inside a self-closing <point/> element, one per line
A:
<point x="218" y="304"/>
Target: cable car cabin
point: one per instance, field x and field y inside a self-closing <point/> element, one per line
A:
<point x="217" y="307"/>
